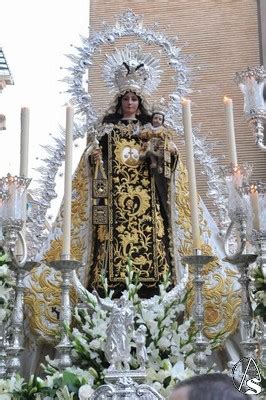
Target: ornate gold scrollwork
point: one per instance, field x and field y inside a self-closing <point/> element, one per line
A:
<point x="42" y="302"/>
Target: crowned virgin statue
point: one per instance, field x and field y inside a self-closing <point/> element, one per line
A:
<point x="135" y="205"/>
<point x="129" y="201"/>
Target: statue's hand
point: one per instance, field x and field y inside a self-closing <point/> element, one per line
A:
<point x="96" y="155"/>
<point x="172" y="148"/>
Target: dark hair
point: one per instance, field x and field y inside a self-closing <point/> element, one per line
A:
<point x="215" y="386"/>
<point x="143" y="116"/>
<point x="155" y="113"/>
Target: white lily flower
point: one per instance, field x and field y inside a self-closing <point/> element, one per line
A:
<point x="178" y="370"/>
<point x="190" y="362"/>
<point x="16" y="383"/>
<point x="96" y="344"/>
<point x="261" y="297"/>
<point x="4" y="292"/>
<point x="151" y="374"/>
<point x="187" y="348"/>
<point x="157" y="386"/>
<point x="85" y="391"/>
<point x="3" y="314"/>
<point x="164" y="343"/>
<point x="4" y="386"/>
<point x="5" y="396"/>
<point x="162" y="375"/>
<point x="4" y="271"/>
<point x="166" y="365"/>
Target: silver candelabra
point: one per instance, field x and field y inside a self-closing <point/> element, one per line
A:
<point x="12" y="217"/>
<point x="244" y="233"/>
<point x="197" y="260"/>
<point x="66" y="266"/>
<point x="252" y="83"/>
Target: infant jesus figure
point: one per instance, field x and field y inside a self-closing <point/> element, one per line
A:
<point x="157" y="145"/>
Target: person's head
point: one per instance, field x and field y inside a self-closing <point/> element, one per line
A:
<point x="122" y="301"/>
<point x="214" y="386"/>
<point x="157" y="119"/>
<point x="128" y="105"/>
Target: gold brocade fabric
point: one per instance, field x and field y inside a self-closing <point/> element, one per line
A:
<point x="136" y="228"/>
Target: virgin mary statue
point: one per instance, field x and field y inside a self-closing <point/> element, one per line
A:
<point x="129" y="201"/>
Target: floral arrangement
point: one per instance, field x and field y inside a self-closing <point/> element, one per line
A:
<point x="258" y="299"/>
<point x="169" y="342"/>
<point x="7" y="283"/>
<point x="60" y="386"/>
<point x="259" y="292"/>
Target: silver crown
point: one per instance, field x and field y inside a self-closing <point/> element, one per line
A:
<point x="130" y="69"/>
<point x="160" y="106"/>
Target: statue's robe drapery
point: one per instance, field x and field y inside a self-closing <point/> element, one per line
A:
<point x="138" y="216"/>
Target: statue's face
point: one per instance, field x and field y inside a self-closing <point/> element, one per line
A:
<point x="142" y="329"/>
<point x="129" y="104"/>
<point x="157" y="120"/>
<point x="122" y="301"/>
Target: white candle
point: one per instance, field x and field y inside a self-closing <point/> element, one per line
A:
<point x="23" y="168"/>
<point x="24" y="141"/>
<point x="68" y="183"/>
<point x="193" y="196"/>
<point x="230" y="130"/>
<point x="254" y="198"/>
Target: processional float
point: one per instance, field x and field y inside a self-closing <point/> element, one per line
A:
<point x="24" y="238"/>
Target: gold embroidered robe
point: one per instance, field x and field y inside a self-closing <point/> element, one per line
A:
<point x="137" y="216"/>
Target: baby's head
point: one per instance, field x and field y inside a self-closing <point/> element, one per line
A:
<point x="157" y="119"/>
<point x="142" y="329"/>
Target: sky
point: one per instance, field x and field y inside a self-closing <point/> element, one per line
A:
<point x="35" y="37"/>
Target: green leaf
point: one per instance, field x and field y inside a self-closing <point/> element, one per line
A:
<point x="167" y="381"/>
<point x="70" y="379"/>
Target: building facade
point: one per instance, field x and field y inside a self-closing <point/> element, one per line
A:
<point x="220" y="38"/>
<point x="5" y="79"/>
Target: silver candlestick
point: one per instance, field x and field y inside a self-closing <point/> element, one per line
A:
<point x="66" y="267"/>
<point x="257" y="237"/>
<point x="238" y="221"/>
<point x="234" y="255"/>
<point x="15" y="345"/>
<point x="12" y="217"/>
<point x="3" y="354"/>
<point x="198" y="261"/>
<point x="236" y="235"/>
<point x="248" y="343"/>
<point x="260" y="243"/>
